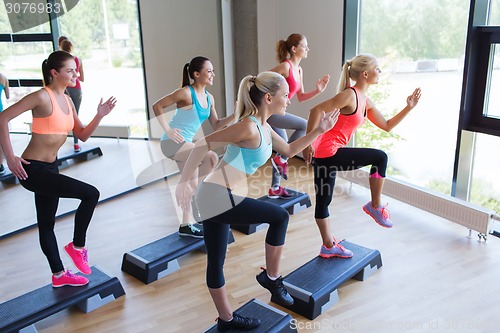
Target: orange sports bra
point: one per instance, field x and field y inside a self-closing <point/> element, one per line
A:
<point x="58" y="122"/>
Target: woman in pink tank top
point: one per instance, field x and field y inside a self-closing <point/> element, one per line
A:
<point x="290" y="53"/>
<point x="328" y="153"/>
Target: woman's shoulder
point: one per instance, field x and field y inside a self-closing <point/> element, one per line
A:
<point x="282" y="68"/>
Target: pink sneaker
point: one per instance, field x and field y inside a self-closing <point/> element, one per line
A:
<point x="69" y="279"/>
<point x="336" y="250"/>
<point x="76" y="147"/>
<point x="280" y="166"/>
<point x="79" y="258"/>
<point x="280" y="193"/>
<point x="379" y="214"/>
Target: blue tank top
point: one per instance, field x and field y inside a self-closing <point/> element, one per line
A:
<point x="189" y="121"/>
<point x="248" y="160"/>
<point x="1" y="90"/>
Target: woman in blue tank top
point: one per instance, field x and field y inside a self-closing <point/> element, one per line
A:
<point x="194" y="105"/>
<point x="4" y="86"/>
<point x="249" y="142"/>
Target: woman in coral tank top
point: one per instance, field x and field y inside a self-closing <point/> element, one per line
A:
<point x="328" y="153"/>
<point x="54" y="115"/>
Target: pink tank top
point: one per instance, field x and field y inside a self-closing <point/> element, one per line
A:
<point x="294" y="85"/>
<point x="327" y="144"/>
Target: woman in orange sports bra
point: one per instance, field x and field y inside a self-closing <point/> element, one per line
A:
<point x="54" y="116"/>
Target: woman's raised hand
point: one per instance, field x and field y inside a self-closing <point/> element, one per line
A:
<point x="103" y="109"/>
<point x="328" y="120"/>
<point x="413" y="99"/>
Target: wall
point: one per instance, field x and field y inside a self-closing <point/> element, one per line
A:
<point x="321" y="21"/>
<point x="173" y="32"/>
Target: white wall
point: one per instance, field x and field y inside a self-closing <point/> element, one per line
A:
<point x="321" y="21"/>
<point x="173" y="32"/>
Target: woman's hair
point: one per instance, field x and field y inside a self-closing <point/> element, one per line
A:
<point x="252" y="91"/>
<point x="353" y="68"/>
<point x="195" y="65"/>
<point x="55" y="61"/>
<point x="66" y="45"/>
<point x="284" y="47"/>
<point x="61" y="39"/>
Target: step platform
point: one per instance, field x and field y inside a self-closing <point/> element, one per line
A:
<point x="298" y="202"/>
<point x="158" y="259"/>
<point x="272" y="319"/>
<point x="8" y="177"/>
<point x="84" y="154"/>
<point x="314" y="285"/>
<point x="21" y="313"/>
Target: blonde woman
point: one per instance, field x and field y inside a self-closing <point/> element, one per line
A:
<point x="249" y="142"/>
<point x="328" y="153"/>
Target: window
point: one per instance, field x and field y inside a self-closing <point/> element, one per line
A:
<point x="418" y="44"/>
<point x="105" y="35"/>
<point x="492" y="109"/>
<point x="485" y="180"/>
<point x="108" y="42"/>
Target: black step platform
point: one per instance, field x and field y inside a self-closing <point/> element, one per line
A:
<point x="159" y="258"/>
<point x="299" y="201"/>
<point x="314" y="285"/>
<point x="84" y="154"/>
<point x="22" y="312"/>
<point x="272" y="320"/>
<point x="8" y="177"/>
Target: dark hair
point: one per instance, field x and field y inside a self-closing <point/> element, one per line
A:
<point x="61" y="39"/>
<point x="195" y="65"/>
<point x="284" y="47"/>
<point x="66" y="45"/>
<point x="55" y="61"/>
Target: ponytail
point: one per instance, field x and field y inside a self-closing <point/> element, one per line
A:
<point x="284" y="47"/>
<point x="185" y="76"/>
<point x="252" y="91"/>
<point x="353" y="68"/>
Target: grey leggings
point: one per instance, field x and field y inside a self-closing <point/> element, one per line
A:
<point x="76" y="96"/>
<point x="280" y="124"/>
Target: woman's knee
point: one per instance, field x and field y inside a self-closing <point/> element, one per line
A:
<point x="380" y="166"/>
<point x="211" y="158"/>
<point x="91" y="193"/>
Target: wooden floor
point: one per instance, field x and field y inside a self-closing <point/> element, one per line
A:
<point x="433" y="279"/>
<point x="124" y="165"/>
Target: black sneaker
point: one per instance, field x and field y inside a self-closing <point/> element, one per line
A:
<point x="2" y="169"/>
<point x="278" y="291"/>
<point x="191" y="230"/>
<point x="239" y="323"/>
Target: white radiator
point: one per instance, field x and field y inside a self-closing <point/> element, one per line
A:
<point x="459" y="211"/>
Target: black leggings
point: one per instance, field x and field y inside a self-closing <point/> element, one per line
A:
<point x="219" y="208"/>
<point x="325" y="172"/>
<point x="48" y="186"/>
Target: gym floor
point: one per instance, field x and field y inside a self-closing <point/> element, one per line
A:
<point x="433" y="278"/>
